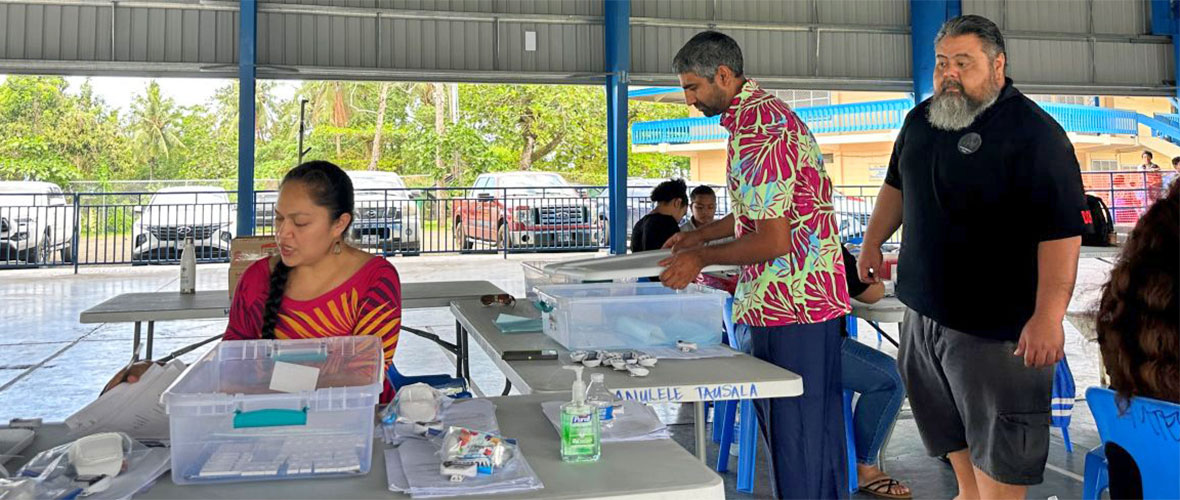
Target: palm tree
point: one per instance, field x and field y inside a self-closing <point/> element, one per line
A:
<point x="267" y="110"/>
<point x="154" y="122"/>
<point x="331" y="103"/>
<point x="383" y="100"/>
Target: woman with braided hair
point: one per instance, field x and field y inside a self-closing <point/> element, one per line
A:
<point x="318" y="286"/>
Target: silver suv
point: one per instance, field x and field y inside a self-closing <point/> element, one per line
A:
<point x="386" y="219"/>
<point x="174" y="214"/>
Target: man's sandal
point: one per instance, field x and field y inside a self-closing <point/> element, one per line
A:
<point x="882" y="487"/>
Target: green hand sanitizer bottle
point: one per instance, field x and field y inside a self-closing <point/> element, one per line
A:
<point x="581" y="436"/>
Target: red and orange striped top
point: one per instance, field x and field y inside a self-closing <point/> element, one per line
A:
<point x="368" y="303"/>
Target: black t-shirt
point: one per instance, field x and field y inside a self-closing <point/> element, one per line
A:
<point x="652" y="231"/>
<point x="976" y="203"/>
<point x="855" y="285"/>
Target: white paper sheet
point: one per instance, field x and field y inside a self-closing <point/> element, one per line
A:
<point x="131" y="408"/>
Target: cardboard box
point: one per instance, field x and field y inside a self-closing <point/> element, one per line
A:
<point x="246" y="250"/>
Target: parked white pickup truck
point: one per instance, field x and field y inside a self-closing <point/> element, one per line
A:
<point x="35" y="222"/>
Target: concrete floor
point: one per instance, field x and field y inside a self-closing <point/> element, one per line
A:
<point x="50" y="365"/>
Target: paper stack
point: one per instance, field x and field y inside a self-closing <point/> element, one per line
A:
<point x="131" y="408"/>
<point x="637" y="422"/>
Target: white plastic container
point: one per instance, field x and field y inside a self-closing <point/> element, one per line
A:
<point x="228" y="425"/>
<point x="535" y="275"/>
<point x="630" y="315"/>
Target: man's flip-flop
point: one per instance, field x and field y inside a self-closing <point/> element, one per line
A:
<point x="882" y="487"/>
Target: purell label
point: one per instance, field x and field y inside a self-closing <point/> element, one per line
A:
<point x="582" y="419"/>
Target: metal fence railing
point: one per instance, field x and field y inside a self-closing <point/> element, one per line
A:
<point x="1128" y="193"/>
<point x="150" y="228"/>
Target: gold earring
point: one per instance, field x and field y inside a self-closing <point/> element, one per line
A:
<point x="336" y="249"/>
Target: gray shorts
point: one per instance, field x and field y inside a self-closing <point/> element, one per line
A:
<point x="971" y="392"/>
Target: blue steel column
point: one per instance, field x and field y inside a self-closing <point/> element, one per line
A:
<point x="926" y="17"/>
<point x="1165" y="20"/>
<point x="247" y="36"/>
<point x="617" y="22"/>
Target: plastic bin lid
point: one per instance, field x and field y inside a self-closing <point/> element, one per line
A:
<point x="636" y="265"/>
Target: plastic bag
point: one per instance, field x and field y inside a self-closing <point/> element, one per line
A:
<point x="414" y="413"/>
<point x="54" y="475"/>
<point x="467" y="453"/>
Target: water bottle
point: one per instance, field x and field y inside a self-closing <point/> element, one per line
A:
<point x="600" y="397"/>
<point x="188" y="267"/>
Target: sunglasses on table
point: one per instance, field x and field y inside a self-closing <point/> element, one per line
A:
<point x="502" y="299"/>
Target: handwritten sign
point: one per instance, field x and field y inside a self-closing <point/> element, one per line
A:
<point x="709" y="392"/>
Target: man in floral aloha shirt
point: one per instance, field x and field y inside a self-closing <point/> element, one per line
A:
<point x="791" y="295"/>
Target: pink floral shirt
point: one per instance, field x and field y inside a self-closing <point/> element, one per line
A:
<point x="776" y="170"/>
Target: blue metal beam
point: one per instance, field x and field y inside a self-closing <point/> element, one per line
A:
<point x="926" y="17"/>
<point x="617" y="20"/>
<point x="247" y="37"/>
<point x="1163" y="19"/>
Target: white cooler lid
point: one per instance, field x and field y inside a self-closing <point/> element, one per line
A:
<point x="635" y="265"/>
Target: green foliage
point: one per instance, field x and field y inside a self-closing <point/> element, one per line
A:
<point x="50" y="132"/>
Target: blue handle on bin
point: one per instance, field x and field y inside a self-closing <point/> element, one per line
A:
<point x="302" y="357"/>
<point x="269" y="418"/>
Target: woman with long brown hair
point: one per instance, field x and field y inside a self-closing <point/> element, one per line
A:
<point x="1137" y="324"/>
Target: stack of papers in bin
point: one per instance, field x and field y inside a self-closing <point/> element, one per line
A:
<point x="637" y="422"/>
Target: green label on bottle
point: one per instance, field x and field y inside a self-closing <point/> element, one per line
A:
<point x="580" y="436"/>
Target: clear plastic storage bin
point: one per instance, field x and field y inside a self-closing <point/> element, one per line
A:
<point x="535" y="276"/>
<point x="630" y="315"/>
<point x="228" y="425"/>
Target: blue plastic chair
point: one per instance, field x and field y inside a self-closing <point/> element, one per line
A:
<point x="440" y="381"/>
<point x="850" y="324"/>
<point x="1149" y="431"/>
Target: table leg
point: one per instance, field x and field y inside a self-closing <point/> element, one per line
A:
<point x="151" y="334"/>
<point x="467" y="355"/>
<point x="135" y="344"/>
<point x="459" y="354"/>
<point x="699" y="427"/>
<point x="462" y="362"/>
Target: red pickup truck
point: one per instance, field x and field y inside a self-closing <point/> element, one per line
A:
<point x="523" y="210"/>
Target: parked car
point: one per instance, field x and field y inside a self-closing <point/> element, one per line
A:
<point x="638" y="204"/>
<point x="35" y="222"/>
<point x="852" y="213"/>
<point x="176" y="213"/>
<point x="386" y="218"/>
<point x="264" y="211"/>
<point x="523" y="209"/>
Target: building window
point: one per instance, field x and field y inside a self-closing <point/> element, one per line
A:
<point x="1080" y="100"/>
<point x="804" y="98"/>
<point x="1104" y="164"/>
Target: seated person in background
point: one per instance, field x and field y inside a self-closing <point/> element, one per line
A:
<point x="318" y="286"/>
<point x="703" y="202"/>
<point x="655" y="228"/>
<point x="874" y="375"/>
<point x="1137" y="325"/>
